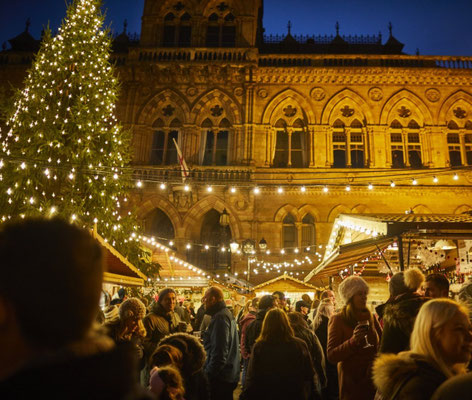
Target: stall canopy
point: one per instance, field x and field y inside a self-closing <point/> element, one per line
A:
<point x="118" y="269"/>
<point x="367" y="238"/>
<point x="285" y="283"/>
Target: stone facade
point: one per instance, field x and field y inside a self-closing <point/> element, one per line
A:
<point x="246" y="118"/>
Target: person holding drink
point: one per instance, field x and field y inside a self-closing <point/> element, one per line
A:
<point x="353" y="339"/>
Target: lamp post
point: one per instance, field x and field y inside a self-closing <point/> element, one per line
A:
<point x="224" y="222"/>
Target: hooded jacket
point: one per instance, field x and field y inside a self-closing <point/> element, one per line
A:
<point x="195" y="382"/>
<point x="398" y="319"/>
<point x="406" y="376"/>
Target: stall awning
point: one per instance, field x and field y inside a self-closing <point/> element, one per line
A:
<point x="284" y="283"/>
<point x="118" y="269"/>
<point x="355" y="237"/>
<point x="348" y="254"/>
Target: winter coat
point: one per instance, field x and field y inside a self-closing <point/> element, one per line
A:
<point x="92" y="373"/>
<point x="244" y="323"/>
<point x="332" y="388"/>
<point x="454" y="388"/>
<point x="113" y="328"/>
<point x="406" y="376"/>
<point x="398" y="320"/>
<point x="253" y="330"/>
<point x="195" y="381"/>
<point x="315" y="350"/>
<point x="221" y="344"/>
<point x="354" y="361"/>
<point x="279" y="371"/>
<point x="158" y="323"/>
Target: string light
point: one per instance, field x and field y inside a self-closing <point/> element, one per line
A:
<point x="392" y="183"/>
<point x="370" y="186"/>
<point x="162" y="186"/>
<point x="233" y="189"/>
<point x="325" y="189"/>
<point x="257" y="190"/>
<point x="435" y="179"/>
<point x="414" y="182"/>
<point x="455" y="177"/>
<point x="280" y="189"/>
<point x="303" y="189"/>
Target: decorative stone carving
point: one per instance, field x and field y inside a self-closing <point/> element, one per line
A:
<point x="347" y="112"/>
<point x="239" y="91"/>
<point x="460" y="113"/>
<point x="404" y="112"/>
<point x="262" y="93"/>
<point x="290" y="111"/>
<point x="317" y="93"/>
<point x="432" y="95"/>
<point x="168" y="110"/>
<point x="217" y="111"/>
<point x="179" y="6"/>
<point x="146" y="91"/>
<point x="191" y="91"/>
<point x="375" y="94"/>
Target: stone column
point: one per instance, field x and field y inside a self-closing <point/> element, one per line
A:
<point x="289" y="132"/>
<point x="462" y="133"/>
<point x="347" y="132"/>
<point x="406" y="159"/>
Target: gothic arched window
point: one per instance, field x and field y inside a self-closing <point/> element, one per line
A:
<point x="356" y="145"/>
<point x="308" y="233"/>
<point x="221" y="32"/>
<point x="215" y="143"/>
<point x="158" y="224"/>
<point x="396" y="145"/>
<point x="454" y="147"/>
<point x="163" y="150"/>
<point x="414" y="145"/>
<point x="177" y="31"/>
<point x="289" y="232"/>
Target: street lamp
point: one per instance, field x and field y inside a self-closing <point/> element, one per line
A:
<point x="263" y="244"/>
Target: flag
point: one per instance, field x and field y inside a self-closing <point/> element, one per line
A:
<point x="182" y="162"/>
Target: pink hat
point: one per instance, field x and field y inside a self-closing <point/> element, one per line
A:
<point x="156" y="384"/>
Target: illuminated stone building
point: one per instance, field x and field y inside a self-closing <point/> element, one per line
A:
<point x="319" y="125"/>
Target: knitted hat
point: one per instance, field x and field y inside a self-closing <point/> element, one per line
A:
<point x="350" y="286"/>
<point x="132" y="308"/>
<point x="397" y="286"/>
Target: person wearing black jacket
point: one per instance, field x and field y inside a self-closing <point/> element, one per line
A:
<point x="253" y="330"/>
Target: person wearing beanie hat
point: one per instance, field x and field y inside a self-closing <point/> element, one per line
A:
<point x="353" y="338"/>
<point x="400" y="311"/>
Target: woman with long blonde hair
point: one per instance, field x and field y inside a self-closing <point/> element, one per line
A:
<point x="280" y="366"/>
<point x="440" y="348"/>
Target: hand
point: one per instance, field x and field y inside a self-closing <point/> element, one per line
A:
<point x="359" y="334"/>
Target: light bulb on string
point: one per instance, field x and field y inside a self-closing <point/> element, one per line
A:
<point x="162" y="186"/>
<point x="392" y="183"/>
<point x="435" y="179"/>
<point x="209" y="189"/>
<point x="348" y="188"/>
<point x="303" y="189"/>
<point x="455" y="177"/>
<point x="414" y="182"/>
<point x="370" y="186"/>
<point x="139" y="184"/>
<point x="257" y="190"/>
<point x="233" y="189"/>
<point x="280" y="189"/>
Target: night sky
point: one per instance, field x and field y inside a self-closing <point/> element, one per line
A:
<point x="435" y="27"/>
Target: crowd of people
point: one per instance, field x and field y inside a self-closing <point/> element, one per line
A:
<point x="417" y="345"/>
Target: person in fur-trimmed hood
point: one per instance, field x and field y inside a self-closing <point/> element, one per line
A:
<point x="440" y="349"/>
<point x="194" y="356"/>
<point x="400" y="311"/>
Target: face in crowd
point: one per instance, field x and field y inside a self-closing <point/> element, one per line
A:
<point x="168" y="302"/>
<point x="331" y="297"/>
<point x="431" y="289"/>
<point x="209" y="299"/>
<point x="454" y="340"/>
<point x="359" y="300"/>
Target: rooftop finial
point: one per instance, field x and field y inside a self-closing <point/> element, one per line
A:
<point x="28" y="23"/>
<point x="337" y="28"/>
<point x="390" y="28"/>
<point x="289" y="27"/>
<point x="125" y="25"/>
<point x="417" y="51"/>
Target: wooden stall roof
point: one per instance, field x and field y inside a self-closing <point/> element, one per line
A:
<point x="285" y="283"/>
<point x="118" y="269"/>
<point x="387" y="228"/>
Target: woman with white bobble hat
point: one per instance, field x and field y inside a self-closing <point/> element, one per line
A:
<point x="353" y="339"/>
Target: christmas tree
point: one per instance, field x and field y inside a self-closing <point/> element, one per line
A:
<point x="63" y="152"/>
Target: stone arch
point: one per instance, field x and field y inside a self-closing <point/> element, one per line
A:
<point x="462" y="209"/>
<point x="161" y="8"/>
<point x="274" y="109"/>
<point x="154" y="108"/>
<point x="309" y="209"/>
<point x="201" y="109"/>
<point x="361" y="209"/>
<point x="336" y="210"/>
<point x="282" y="212"/>
<point x="421" y="209"/>
<point x="347" y="97"/>
<point x="419" y="111"/>
<point x="459" y="98"/>
<point x="194" y="215"/>
<point x="207" y="7"/>
<point x="156" y="201"/>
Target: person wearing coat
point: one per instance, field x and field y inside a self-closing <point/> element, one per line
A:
<point x="320" y="325"/>
<point x="400" y="311"/>
<point x="253" y="329"/>
<point x="245" y="321"/>
<point x="128" y="328"/>
<point x="441" y="344"/>
<point x="302" y="331"/>
<point x="353" y="338"/>
<point x="280" y="366"/>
